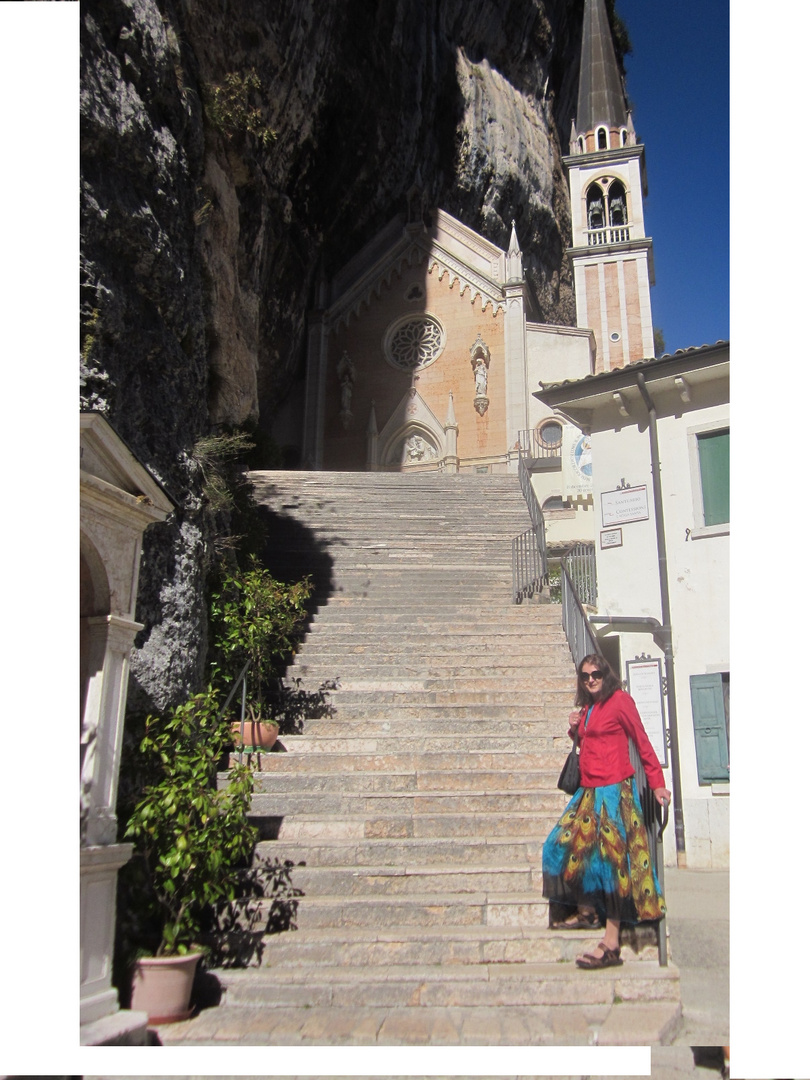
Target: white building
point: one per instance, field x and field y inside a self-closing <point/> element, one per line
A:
<point x="665" y="424"/>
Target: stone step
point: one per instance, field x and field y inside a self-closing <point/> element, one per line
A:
<point x="313" y="673"/>
<point x="438" y="850"/>
<point x="515" y="909"/>
<point x="309" y="781"/>
<point x="347" y="763"/>
<point x="399" y="803"/>
<point x="415" y="697"/>
<point x="616" y="1024"/>
<point x="487" y="708"/>
<point x="415" y="625"/>
<point x="464" y="985"/>
<point x="425" y="724"/>
<point x="414" y="687"/>
<point x="414" y="881"/>
<point x="382" y="742"/>
<point x="396" y="945"/>
<point x="324" y="826"/>
<point x="429" y="945"/>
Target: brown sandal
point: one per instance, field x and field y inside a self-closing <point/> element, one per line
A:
<point x="609" y="958"/>
<point x="586" y="920"/>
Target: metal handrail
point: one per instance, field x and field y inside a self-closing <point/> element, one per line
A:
<point x="578" y="632"/>
<point x="529" y="559"/>
<point x="240" y="680"/>
<point x="582" y="643"/>
<point x="580" y="562"/>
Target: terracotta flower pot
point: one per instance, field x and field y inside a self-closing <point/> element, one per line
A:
<point x="161" y="987"/>
<point x="258" y="735"/>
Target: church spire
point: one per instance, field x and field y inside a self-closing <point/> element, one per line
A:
<point x="602" y="117"/>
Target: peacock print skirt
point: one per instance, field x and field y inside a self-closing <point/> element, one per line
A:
<point x="597" y="855"/>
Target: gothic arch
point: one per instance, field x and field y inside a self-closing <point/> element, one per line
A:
<point x="412" y="419"/>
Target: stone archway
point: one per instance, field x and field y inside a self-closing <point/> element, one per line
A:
<point x="412" y="438"/>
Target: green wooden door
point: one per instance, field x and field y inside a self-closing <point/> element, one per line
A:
<point x="709" y="719"/>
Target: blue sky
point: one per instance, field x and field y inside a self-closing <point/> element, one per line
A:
<point x="677" y="82"/>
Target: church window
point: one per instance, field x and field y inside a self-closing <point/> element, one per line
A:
<point x="414" y="342"/>
<point x="601" y="138"/>
<point x="607" y="212"/>
<point x="624" y="136"/>
<point x="550" y="435"/>
<point x="713" y="454"/>
<point x="617" y="204"/>
<point x="709" y="467"/>
<point x="596" y="207"/>
<point x="414" y="293"/>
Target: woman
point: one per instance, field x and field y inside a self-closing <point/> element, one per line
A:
<point x="597" y="856"/>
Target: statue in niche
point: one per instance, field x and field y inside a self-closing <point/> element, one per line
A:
<point x="480" y="377"/>
<point x="346" y="375"/>
<point x="479" y="358"/>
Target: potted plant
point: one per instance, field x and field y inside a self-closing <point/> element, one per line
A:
<point x="255" y="734"/>
<point x="190" y="843"/>
<point x="255" y="621"/>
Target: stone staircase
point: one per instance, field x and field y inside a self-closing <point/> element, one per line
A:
<point x="413" y="816"/>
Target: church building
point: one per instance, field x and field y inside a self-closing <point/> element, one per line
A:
<point x="426" y="347"/>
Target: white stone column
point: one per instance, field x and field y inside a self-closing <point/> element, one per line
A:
<point x="451" y="439"/>
<point x="517" y="416"/>
<point x="372" y="441"/>
<point x="315" y="398"/>
<point x="109" y="640"/>
<point x="99" y="866"/>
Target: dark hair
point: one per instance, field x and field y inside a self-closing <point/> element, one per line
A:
<point x="610" y="683"/>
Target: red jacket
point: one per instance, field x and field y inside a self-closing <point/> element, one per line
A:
<point x="604" y="757"/>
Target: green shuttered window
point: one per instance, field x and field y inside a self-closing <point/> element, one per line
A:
<point x="711" y="729"/>
<point x="713" y="453"/>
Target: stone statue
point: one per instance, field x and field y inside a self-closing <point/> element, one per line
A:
<point x="480" y="377"/>
<point x="347" y="373"/>
<point x="417" y="449"/>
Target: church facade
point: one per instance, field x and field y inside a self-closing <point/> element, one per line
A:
<point x="425" y="348"/>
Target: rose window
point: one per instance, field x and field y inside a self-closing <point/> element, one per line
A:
<point x="414" y="342"/>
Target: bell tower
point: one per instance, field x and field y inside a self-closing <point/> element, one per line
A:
<point x="611" y="256"/>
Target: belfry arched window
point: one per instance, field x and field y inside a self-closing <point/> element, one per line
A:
<point x="596" y="207"/>
<point x="607" y="216"/>
<point x="601" y="138"/>
<point x="617" y="204"/>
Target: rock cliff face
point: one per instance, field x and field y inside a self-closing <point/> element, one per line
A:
<point x="203" y="237"/>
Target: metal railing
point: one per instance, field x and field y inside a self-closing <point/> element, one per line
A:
<point x="580" y="562"/>
<point x="532" y="444"/>
<point x="578" y="632"/>
<point x="529" y="559"/>
<point x="579" y="572"/>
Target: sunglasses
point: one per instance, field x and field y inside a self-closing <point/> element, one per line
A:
<point x="586" y="676"/>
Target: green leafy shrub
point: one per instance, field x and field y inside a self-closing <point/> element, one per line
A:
<point x="191" y="840"/>
<point x="257" y="619"/>
<point x="230" y="111"/>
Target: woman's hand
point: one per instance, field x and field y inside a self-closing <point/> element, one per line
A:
<point x="573" y="723"/>
<point x="662" y="795"/>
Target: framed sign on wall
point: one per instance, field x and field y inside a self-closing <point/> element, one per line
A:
<point x="645" y="687"/>
<point x="624" y="505"/>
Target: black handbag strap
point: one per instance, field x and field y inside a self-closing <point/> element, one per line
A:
<point x="578" y="741"/>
